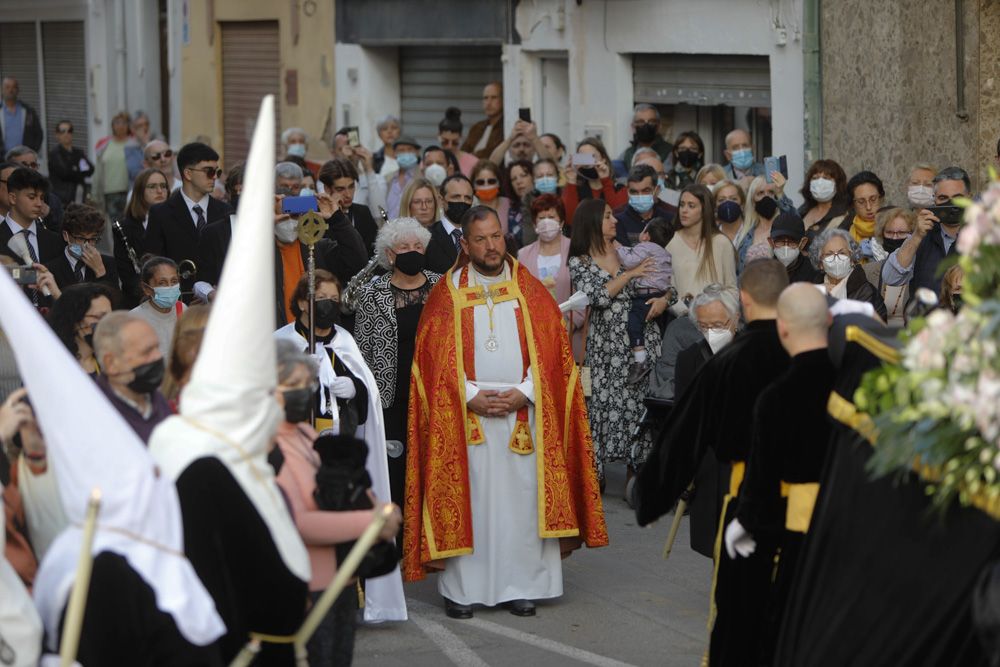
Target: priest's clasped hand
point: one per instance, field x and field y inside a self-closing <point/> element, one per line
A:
<point x="739" y="540"/>
<point x="492" y="403"/>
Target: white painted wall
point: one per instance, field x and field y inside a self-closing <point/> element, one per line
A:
<point x="367" y="88"/>
<point x="601" y="35"/>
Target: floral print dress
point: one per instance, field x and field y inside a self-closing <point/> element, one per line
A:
<point x="615" y="407"/>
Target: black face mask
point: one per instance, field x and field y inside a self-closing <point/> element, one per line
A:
<point x="891" y="245"/>
<point x="766" y="207"/>
<point x="411" y="263"/>
<point x="646" y="133"/>
<point x="297" y="404"/>
<point x="326" y="314"/>
<point x="956" y="303"/>
<point x="455" y="210"/>
<point x="688" y="159"/>
<point x="590" y="173"/>
<point x="148" y="377"/>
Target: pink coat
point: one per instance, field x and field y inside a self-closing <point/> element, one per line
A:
<point x="319" y="529"/>
<point x="528" y="255"/>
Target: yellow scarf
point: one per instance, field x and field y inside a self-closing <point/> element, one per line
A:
<point x="862" y="229"/>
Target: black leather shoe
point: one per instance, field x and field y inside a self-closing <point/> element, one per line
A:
<point x="455" y="610"/>
<point x="521" y="607"/>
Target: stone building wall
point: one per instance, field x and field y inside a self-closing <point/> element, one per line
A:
<point x="889" y="87"/>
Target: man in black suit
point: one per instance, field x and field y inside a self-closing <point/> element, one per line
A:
<point x="80" y="262"/>
<point x="442" y="251"/>
<point x="24" y="198"/>
<point x="340" y="179"/>
<point x="175" y="225"/>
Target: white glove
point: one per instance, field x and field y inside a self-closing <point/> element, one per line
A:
<point x="738" y="540"/>
<point x="343" y="387"/>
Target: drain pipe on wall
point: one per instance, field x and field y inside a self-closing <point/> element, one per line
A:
<point x="960" y="110"/>
<point x="813" y="84"/>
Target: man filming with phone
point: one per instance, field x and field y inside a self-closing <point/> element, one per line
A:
<point x="916" y="261"/>
<point x="522" y="144"/>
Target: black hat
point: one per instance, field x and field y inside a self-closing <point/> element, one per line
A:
<point x="789" y="224"/>
<point x="405" y="141"/>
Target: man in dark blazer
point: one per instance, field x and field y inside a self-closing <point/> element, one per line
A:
<point x="342" y="253"/>
<point x="80" y="261"/>
<point x="442" y="250"/>
<point x="23" y="191"/>
<point x="340" y="178"/>
<point x="175" y="225"/>
<point x="487" y="134"/>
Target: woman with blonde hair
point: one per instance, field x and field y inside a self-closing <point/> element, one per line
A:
<point x="710" y="175"/>
<point x="184" y="351"/>
<point x="420" y="202"/>
<point x="730" y="208"/>
<point x="762" y="208"/>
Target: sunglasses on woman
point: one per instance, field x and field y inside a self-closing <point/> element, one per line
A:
<point x="486" y="181"/>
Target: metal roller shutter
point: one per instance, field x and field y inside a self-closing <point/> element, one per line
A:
<point x="251" y="69"/>
<point x="702" y="80"/>
<point x="19" y="58"/>
<point x="65" y="80"/>
<point x="433" y="78"/>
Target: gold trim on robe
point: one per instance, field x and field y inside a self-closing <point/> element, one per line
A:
<point x="438" y="511"/>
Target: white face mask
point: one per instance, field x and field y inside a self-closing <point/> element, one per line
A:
<point x="837" y="266"/>
<point x="822" y="189"/>
<point x="287" y="230"/>
<point x="718" y="339"/>
<point x="436" y="174"/>
<point x="920" y="195"/>
<point x="786" y="254"/>
<point x="548" y="229"/>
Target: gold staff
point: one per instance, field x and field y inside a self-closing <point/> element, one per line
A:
<point x="682" y="504"/>
<point x="78" y="598"/>
<point x="329" y="596"/>
<point x="311" y="229"/>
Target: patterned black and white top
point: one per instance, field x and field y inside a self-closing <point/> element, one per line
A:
<point x="376" y="328"/>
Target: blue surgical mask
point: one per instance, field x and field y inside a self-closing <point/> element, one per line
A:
<point x="547" y="185"/>
<point x="306" y="192"/>
<point x="743" y="159"/>
<point x="298" y="150"/>
<point x="641" y="203"/>
<point x="406" y="160"/>
<point x="661" y="183"/>
<point x="76" y="250"/>
<point x="166" y="297"/>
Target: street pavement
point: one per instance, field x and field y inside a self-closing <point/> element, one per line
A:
<point x="622" y="605"/>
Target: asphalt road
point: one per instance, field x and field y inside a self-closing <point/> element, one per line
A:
<point x="622" y="605"/>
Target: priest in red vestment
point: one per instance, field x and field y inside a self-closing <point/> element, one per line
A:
<point x="500" y="473"/>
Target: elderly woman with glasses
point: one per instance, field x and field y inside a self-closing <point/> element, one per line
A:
<point x="838" y="256"/>
<point x="388" y="311"/>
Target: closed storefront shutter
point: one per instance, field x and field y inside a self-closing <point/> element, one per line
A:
<point x="65" y="80"/>
<point x="251" y="69"/>
<point x="434" y="78"/>
<point x="702" y="80"/>
<point x="19" y="59"/>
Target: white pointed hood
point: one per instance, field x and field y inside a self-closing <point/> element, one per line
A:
<point x="228" y="409"/>
<point x="89" y="445"/>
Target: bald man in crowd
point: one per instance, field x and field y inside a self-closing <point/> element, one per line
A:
<point x="790" y="436"/>
<point x="132" y="366"/>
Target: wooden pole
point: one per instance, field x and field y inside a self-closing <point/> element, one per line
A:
<point x="78" y="597"/>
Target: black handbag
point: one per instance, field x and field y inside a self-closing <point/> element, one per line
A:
<point x="342" y="484"/>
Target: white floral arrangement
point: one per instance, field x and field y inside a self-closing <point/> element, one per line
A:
<point x="938" y="411"/>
